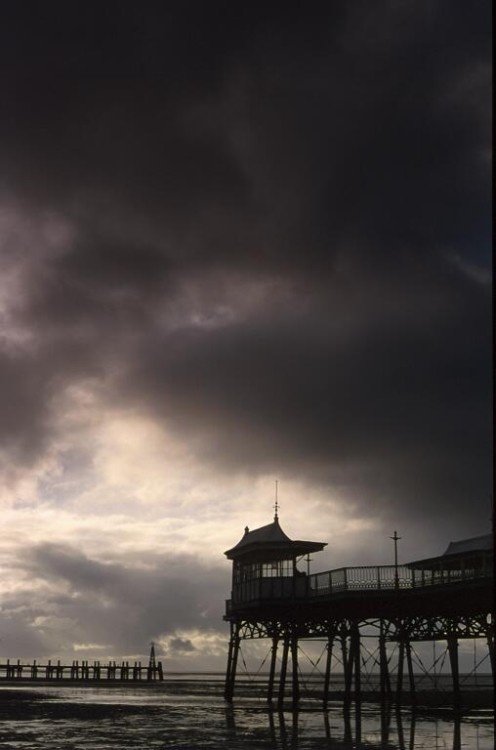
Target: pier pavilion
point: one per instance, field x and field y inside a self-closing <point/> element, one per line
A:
<point x="446" y="598"/>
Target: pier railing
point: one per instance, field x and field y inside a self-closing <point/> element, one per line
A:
<point x="362" y="578"/>
<point x="359" y="579"/>
<point x="378" y="577"/>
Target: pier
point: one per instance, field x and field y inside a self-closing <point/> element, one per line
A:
<point x="80" y="671"/>
<point x="83" y="671"/>
<point x="447" y="598"/>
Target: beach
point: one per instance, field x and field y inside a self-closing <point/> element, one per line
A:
<point x="189" y="712"/>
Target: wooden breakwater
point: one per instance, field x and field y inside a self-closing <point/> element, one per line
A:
<point x="81" y="671"/>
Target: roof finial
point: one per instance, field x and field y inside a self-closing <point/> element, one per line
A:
<point x="276" y="504"/>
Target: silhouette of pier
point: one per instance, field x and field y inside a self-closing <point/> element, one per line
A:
<point x="447" y="598"/>
<point x="84" y="671"/>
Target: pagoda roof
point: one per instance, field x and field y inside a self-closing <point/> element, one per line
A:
<point x="270" y="540"/>
<point x="475" y="544"/>
<point x="455" y="551"/>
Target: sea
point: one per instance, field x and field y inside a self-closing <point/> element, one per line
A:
<point x="186" y="712"/>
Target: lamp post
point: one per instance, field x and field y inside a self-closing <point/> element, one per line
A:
<point x="309" y="560"/>
<point x="396" y="539"/>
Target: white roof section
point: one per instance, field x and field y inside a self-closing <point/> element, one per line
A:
<point x="475" y="544"/>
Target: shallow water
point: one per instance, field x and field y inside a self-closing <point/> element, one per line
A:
<point x="190" y="713"/>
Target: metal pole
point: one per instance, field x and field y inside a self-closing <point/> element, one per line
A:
<point x="227" y="685"/>
<point x="396" y="539"/>
<point x="412" y="731"/>
<point x="457" y="739"/>
<point x="399" y="683"/>
<point x="385" y="721"/>
<point x="232" y="664"/>
<point x="356" y="660"/>
<point x="284" y="667"/>
<point x="455" y="675"/>
<point x="294" y="661"/>
<point x="383" y="665"/>
<point x="411" y="676"/>
<point x="347" y="669"/>
<point x="327" y="678"/>
<point x="234" y="660"/>
<point x="490" y="647"/>
<point x="272" y="673"/>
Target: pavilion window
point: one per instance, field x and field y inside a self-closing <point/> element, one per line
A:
<point x="277" y="569"/>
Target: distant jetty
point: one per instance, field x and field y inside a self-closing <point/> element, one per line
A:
<point x="83" y="671"/>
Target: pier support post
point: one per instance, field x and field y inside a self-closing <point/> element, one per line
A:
<point x="327" y="677"/>
<point x="227" y="685"/>
<point x="411" y="676"/>
<point x="272" y="673"/>
<point x="383" y="667"/>
<point x="355" y="655"/>
<point x="455" y="674"/>
<point x="457" y="738"/>
<point x="232" y="663"/>
<point x="295" y="687"/>
<point x="347" y="667"/>
<point x="399" y="680"/>
<point x="490" y="647"/>
<point x="399" y="727"/>
<point x="284" y="669"/>
<point x="385" y="722"/>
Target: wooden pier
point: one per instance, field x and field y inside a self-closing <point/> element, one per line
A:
<point x="83" y="671"/>
<point x="80" y="671"/>
<point x="448" y="598"/>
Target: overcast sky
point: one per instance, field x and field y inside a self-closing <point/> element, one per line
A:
<point x="240" y="242"/>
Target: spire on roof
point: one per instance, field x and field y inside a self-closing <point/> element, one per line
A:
<point x="276" y="504"/>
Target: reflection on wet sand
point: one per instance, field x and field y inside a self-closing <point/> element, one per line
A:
<point x="190" y="715"/>
<point x="397" y="729"/>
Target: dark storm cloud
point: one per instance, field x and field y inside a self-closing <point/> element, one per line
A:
<point x="121" y="606"/>
<point x="333" y="394"/>
<point x="352" y="120"/>
<point x="340" y="150"/>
